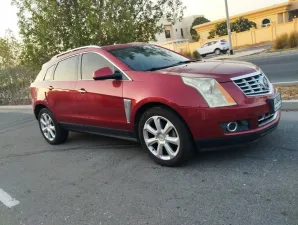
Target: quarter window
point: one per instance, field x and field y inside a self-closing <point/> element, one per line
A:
<point x="66" y="69"/>
<point x="92" y="62"/>
<point x="49" y="74"/>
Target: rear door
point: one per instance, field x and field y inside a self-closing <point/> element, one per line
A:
<point x="211" y="47"/>
<point x="61" y="84"/>
<point x="99" y="103"/>
<point x="203" y="49"/>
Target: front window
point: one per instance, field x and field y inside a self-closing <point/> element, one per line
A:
<point x="147" y="57"/>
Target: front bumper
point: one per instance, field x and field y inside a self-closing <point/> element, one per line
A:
<point x="237" y="139"/>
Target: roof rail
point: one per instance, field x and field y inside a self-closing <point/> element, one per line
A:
<point x="75" y="49"/>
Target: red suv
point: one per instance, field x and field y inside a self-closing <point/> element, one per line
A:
<point x="171" y="104"/>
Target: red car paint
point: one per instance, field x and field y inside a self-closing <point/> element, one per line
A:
<point x="100" y="103"/>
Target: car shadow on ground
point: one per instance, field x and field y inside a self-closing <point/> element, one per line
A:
<point x="228" y="154"/>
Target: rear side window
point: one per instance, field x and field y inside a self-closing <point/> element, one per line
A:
<point x="67" y="69"/>
<point x="40" y="76"/>
<point x="49" y="73"/>
<point x="92" y="62"/>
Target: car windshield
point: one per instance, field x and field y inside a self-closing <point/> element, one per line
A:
<point x="148" y="57"/>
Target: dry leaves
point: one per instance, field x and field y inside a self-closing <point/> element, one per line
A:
<point x="288" y="92"/>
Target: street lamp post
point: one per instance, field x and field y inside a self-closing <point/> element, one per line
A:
<point x="229" y="28"/>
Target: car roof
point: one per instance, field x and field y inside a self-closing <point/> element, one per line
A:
<point x="74" y="51"/>
<point x="119" y="46"/>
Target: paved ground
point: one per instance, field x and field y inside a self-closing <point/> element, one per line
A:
<point x="98" y="180"/>
<point x="279" y="68"/>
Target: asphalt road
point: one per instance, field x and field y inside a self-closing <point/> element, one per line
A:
<point x="278" y="68"/>
<point x="97" y="180"/>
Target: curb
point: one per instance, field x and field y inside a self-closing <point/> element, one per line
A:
<point x="292" y="83"/>
<point x="290" y="105"/>
<point x="240" y="55"/>
<point x="266" y="54"/>
<point x="15" y="107"/>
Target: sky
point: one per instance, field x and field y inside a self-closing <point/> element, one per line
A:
<point x="211" y="9"/>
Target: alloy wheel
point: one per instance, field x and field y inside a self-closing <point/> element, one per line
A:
<point x="161" y="137"/>
<point x="47" y="127"/>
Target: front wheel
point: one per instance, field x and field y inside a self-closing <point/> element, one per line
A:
<point x="165" y="136"/>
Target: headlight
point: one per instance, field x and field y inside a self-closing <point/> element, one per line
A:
<point x="214" y="94"/>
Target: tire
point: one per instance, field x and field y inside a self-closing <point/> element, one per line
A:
<point x="50" y="129"/>
<point x="181" y="142"/>
<point x="217" y="51"/>
<point x="224" y="52"/>
<point x="203" y="56"/>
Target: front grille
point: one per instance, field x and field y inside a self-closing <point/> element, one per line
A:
<point x="266" y="118"/>
<point x="251" y="85"/>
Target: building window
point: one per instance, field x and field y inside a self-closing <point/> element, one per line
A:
<point x="168" y="33"/>
<point x="181" y="32"/>
<point x="266" y="23"/>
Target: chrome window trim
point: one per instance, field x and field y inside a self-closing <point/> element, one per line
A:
<point x="75" y="49"/>
<point x="128" y="78"/>
<point x="271" y="88"/>
<point x="56" y="62"/>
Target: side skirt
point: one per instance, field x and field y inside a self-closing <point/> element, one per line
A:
<point x="122" y="134"/>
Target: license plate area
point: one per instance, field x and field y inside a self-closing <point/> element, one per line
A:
<point x="274" y="102"/>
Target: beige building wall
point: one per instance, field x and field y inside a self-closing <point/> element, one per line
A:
<point x="253" y="36"/>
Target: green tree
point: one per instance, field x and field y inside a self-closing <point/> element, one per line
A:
<point x="212" y="34"/>
<point x="199" y="20"/>
<point x="221" y="29"/>
<point x="9" y="50"/>
<point x="14" y="79"/>
<point x="243" y="24"/>
<point x="240" y="25"/>
<point x="51" y="26"/>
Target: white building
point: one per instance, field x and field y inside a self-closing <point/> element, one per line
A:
<point x="176" y="32"/>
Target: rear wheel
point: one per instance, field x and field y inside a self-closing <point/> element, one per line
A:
<point x="217" y="51"/>
<point x="203" y="56"/>
<point x="165" y="136"/>
<point x="50" y="129"/>
<point x="224" y="52"/>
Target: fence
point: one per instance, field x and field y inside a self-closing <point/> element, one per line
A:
<point x="253" y="36"/>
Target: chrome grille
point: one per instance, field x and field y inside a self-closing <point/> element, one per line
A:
<point x="266" y="118"/>
<point x="250" y="84"/>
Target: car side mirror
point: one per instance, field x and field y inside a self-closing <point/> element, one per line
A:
<point x="106" y="73"/>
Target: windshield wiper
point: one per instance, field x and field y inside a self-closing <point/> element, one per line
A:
<point x="175" y="64"/>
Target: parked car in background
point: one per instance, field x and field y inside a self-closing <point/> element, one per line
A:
<point x="171" y="104"/>
<point x="214" y="47"/>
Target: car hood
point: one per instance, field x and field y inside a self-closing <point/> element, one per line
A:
<point x="221" y="70"/>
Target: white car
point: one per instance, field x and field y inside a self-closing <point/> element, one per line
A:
<point x="217" y="47"/>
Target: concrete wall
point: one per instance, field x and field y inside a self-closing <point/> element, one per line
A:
<point x="253" y="36"/>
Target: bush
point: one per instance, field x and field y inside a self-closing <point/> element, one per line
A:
<point x="196" y="54"/>
<point x="293" y="40"/>
<point x="281" y="42"/>
<point x="187" y="54"/>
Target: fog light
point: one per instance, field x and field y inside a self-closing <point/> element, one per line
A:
<point x="235" y="126"/>
<point x="232" y="126"/>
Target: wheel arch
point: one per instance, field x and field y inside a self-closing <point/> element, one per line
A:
<point x="142" y="109"/>
<point x="38" y="108"/>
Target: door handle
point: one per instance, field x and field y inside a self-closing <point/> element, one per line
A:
<point x="50" y="88"/>
<point x="82" y="91"/>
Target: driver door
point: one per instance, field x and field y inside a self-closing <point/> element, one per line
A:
<point x="99" y="103"/>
